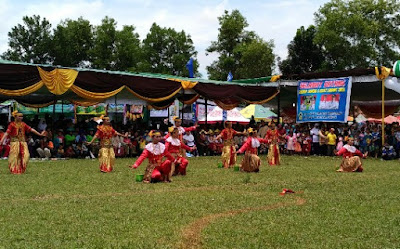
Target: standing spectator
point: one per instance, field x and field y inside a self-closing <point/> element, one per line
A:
<point x="188" y="138"/>
<point x="262" y="131"/>
<point x="290" y="142"/>
<point x="202" y="143"/>
<point x="60" y="151"/>
<point x="315" y="149"/>
<point x="69" y="138"/>
<point x="331" y="141"/>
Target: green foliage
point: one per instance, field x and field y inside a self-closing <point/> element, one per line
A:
<point x="359" y="33"/>
<point x="167" y="51"/>
<point x="303" y="54"/>
<point x="30" y="41"/>
<point x="240" y="51"/>
<point x="72" y="41"/>
<point x="70" y="204"/>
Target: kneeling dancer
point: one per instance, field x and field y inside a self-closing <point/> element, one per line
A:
<point x="251" y="162"/>
<point x="175" y="146"/>
<point x="351" y="158"/>
<point x="157" y="170"/>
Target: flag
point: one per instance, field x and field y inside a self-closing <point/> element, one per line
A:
<point x="189" y="66"/>
<point x="230" y="76"/>
<point x="224" y="115"/>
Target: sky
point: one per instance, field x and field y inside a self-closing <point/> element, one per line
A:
<point x="270" y="19"/>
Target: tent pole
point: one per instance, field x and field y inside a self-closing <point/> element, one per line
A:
<point x="183" y="104"/>
<point x="206" y="110"/>
<point x="279" y="107"/>
<point x="52" y="120"/>
<point x="383" y="113"/>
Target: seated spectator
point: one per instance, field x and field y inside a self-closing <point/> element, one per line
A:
<point x="81" y="151"/>
<point x="188" y="138"/>
<point x="69" y="153"/>
<point x="5" y="147"/>
<point x="69" y="138"/>
<point x="60" y="152"/>
<point x="44" y="149"/>
<point x="388" y="152"/>
<point x="31" y="146"/>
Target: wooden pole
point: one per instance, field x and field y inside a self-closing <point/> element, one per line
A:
<point x="206" y="111"/>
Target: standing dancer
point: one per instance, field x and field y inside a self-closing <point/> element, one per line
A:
<point x="19" y="152"/>
<point x="105" y="133"/>
<point x="182" y="130"/>
<point x="251" y="162"/>
<point x="157" y="170"/>
<point x="273" y="151"/>
<point x="173" y="145"/>
<point x="229" y="150"/>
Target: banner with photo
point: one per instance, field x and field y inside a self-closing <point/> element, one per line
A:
<point x="325" y="100"/>
<point x="95" y="110"/>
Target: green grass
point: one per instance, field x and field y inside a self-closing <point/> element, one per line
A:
<point x="70" y="204"/>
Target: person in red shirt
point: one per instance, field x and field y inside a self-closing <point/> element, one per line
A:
<point x="157" y="170"/>
<point x="105" y="133"/>
<point x="351" y="158"/>
<point x="229" y="150"/>
<point x="273" y="141"/>
<point x="19" y="152"/>
<point x="5" y="147"/>
<point x="174" y="146"/>
<point x="251" y="162"/>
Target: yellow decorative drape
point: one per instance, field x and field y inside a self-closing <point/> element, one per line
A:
<point x="275" y="78"/>
<point x="186" y="84"/>
<point x="22" y="92"/>
<point x="94" y="96"/>
<point x="84" y="102"/>
<point x="59" y="80"/>
<point x="154" y="99"/>
<point x="192" y="100"/>
<point x="262" y="101"/>
<point x="38" y="105"/>
<point x="159" y="107"/>
<point x="226" y="106"/>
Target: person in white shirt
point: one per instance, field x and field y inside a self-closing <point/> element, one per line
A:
<point x="323" y="103"/>
<point x="315" y="140"/>
<point x="188" y="138"/>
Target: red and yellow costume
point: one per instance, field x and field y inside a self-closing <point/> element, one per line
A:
<point x="106" y="152"/>
<point x="174" y="146"/>
<point x="228" y="151"/>
<point x="251" y="161"/>
<point x="157" y="170"/>
<point x="351" y="159"/>
<point x="273" y="152"/>
<point x="19" y="153"/>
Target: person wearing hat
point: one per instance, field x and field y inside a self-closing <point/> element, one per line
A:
<point x="157" y="170"/>
<point x="19" y="152"/>
<point x="105" y="133"/>
<point x="182" y="130"/>
<point x="251" y="162"/>
<point x="4" y="148"/>
<point x="273" y="139"/>
<point x="174" y="146"/>
<point x="229" y="150"/>
<point x="351" y="161"/>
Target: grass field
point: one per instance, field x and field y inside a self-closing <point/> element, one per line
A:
<point x="70" y="204"/>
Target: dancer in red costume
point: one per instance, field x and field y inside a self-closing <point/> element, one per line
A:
<point x="157" y="170"/>
<point x="19" y="153"/>
<point x="174" y="146"/>
<point x="229" y="150"/>
<point x="251" y="162"/>
<point x="351" y="158"/>
<point x="272" y="136"/>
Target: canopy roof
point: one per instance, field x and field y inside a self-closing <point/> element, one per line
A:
<point x="34" y="84"/>
<point x="258" y="112"/>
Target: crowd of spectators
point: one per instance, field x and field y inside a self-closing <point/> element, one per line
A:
<point x="70" y="140"/>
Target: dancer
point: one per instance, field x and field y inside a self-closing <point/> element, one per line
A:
<point x="105" y="133"/>
<point x="19" y="152"/>
<point x="182" y="130"/>
<point x="251" y="162"/>
<point x="173" y="146"/>
<point x="351" y="158"/>
<point x="273" y="151"/>
<point x="229" y="150"/>
<point x="157" y="170"/>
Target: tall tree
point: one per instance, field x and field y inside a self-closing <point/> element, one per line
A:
<point x="359" y="33"/>
<point x="72" y="42"/>
<point x="30" y="41"/>
<point x="238" y="48"/>
<point x="303" y="54"/>
<point x="167" y="51"/>
<point x="114" y="49"/>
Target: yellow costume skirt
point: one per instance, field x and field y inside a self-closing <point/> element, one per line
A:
<point x="351" y="164"/>
<point x="106" y="159"/>
<point x="228" y="156"/>
<point x="18" y="158"/>
<point x="274" y="157"/>
<point x="251" y="163"/>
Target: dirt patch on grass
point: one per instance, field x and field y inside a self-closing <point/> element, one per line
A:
<point x="191" y="234"/>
